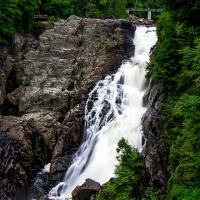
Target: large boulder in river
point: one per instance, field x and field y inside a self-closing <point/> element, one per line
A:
<point x="87" y="191"/>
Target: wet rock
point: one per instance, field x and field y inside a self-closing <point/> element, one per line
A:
<point x="87" y="191"/>
<point x="39" y="185"/>
<point x="156" y="150"/>
<point x="15" y="168"/>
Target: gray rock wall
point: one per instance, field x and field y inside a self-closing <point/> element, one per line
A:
<point x="156" y="150"/>
<point x="44" y="86"/>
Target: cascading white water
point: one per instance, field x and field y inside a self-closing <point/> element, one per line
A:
<point x="113" y="110"/>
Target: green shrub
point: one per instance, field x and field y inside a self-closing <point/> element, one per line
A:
<point x="28" y="79"/>
<point x="176" y="64"/>
<point x="130" y="173"/>
<point x="50" y="23"/>
<point x="46" y="49"/>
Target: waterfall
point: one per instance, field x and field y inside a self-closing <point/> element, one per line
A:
<point x="113" y="110"/>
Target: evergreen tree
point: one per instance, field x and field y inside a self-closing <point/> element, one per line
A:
<point x="15" y="15"/>
<point x="120" y="8"/>
<point x="185" y="10"/>
<point x="9" y="12"/>
<point x="130" y="172"/>
<point x="59" y="8"/>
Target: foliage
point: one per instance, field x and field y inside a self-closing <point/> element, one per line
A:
<point x="119" y="11"/>
<point x="89" y="8"/>
<point x="30" y="77"/>
<point x="176" y="65"/>
<point x="59" y="8"/>
<point x="166" y="52"/>
<point x="46" y="49"/>
<point x="18" y="15"/>
<point x="130" y="173"/>
<point x="184" y="156"/>
<point x="8" y="12"/>
<point x="184" y="10"/>
<point x="15" y="16"/>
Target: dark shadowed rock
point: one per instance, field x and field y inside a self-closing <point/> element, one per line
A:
<point x="156" y="150"/>
<point x="87" y="191"/>
<point x="15" y="168"/>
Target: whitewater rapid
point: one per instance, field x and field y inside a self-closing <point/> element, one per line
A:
<point x="113" y="110"/>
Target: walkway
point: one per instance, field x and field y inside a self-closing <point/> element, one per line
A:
<point x="40" y="16"/>
<point x="143" y="9"/>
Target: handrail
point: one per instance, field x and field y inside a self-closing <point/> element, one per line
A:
<point x="143" y="9"/>
<point x="40" y="16"/>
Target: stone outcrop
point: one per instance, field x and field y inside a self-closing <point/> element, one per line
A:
<point x="11" y="72"/>
<point x="87" y="191"/>
<point x="144" y="22"/>
<point x="156" y="150"/>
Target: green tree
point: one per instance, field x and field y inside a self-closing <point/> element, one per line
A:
<point x="185" y="10"/>
<point x="176" y="65"/>
<point x="8" y="12"/>
<point x="59" y="8"/>
<point x="167" y="51"/>
<point x="120" y="9"/>
<point x="28" y="9"/>
<point x="130" y="173"/>
<point x="15" y="15"/>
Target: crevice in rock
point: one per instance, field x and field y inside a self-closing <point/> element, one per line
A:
<point x="37" y="31"/>
<point x="9" y="109"/>
<point x="12" y="82"/>
<point x="71" y="86"/>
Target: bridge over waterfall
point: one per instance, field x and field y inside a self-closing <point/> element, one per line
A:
<point x="43" y="17"/>
<point x="144" y="10"/>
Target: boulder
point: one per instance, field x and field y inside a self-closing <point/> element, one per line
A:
<point x="87" y="191"/>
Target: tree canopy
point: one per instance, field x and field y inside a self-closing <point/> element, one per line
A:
<point x="183" y="10"/>
<point x="129" y="181"/>
<point x="176" y="66"/>
<point x="15" y="16"/>
<point x="18" y="15"/>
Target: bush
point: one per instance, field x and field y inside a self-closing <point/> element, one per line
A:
<point x="176" y="65"/>
<point x="130" y="173"/>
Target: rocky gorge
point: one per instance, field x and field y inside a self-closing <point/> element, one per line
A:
<point x="44" y="85"/>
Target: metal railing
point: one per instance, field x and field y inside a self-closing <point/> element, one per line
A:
<point x="144" y="9"/>
<point x="40" y="16"/>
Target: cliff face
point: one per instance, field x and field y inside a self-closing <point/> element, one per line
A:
<point x="156" y="150"/>
<point x="43" y="90"/>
